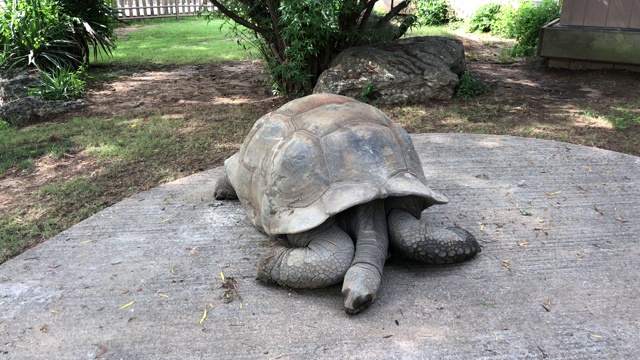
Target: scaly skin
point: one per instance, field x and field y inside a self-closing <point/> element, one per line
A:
<point x="224" y="190"/>
<point x="362" y="280"/>
<point x="417" y="240"/>
<point x="320" y="258"/>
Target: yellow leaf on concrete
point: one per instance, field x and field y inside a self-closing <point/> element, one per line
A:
<point x="126" y="305"/>
<point x="204" y="316"/>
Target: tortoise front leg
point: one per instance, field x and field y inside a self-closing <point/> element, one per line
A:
<point x="417" y="240"/>
<point x="363" y="279"/>
<point x="223" y="189"/>
<point x="320" y="258"/>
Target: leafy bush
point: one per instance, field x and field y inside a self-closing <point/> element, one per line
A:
<point x="52" y="34"/>
<point x="4" y="125"/>
<point x="522" y="24"/>
<point x="433" y="12"/>
<point x="298" y="39"/>
<point x="484" y="18"/>
<point x="504" y="24"/>
<point x="60" y="84"/>
<point x="94" y="23"/>
<point x="527" y="23"/>
<point x="470" y="86"/>
<point x="33" y="33"/>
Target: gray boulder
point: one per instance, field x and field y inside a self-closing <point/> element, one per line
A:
<point x="393" y="72"/>
<point x="19" y="109"/>
<point x="14" y="85"/>
<point x="30" y="110"/>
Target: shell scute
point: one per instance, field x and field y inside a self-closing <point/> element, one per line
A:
<point x="320" y="155"/>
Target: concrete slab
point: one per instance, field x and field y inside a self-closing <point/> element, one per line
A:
<point x="558" y="276"/>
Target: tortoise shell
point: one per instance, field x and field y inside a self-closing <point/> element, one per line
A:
<point x="322" y="154"/>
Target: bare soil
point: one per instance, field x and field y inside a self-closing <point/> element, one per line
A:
<point x="527" y="99"/>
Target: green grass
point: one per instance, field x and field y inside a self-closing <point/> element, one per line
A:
<point x="430" y="31"/>
<point x="153" y="138"/>
<point x="173" y="42"/>
<point x="621" y="116"/>
<point x="20" y="147"/>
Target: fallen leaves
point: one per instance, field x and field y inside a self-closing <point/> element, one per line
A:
<point x="506" y="264"/>
<point x="231" y="285"/>
<point x="126" y="305"/>
<point x="483" y="303"/>
<point x="204" y="316"/>
<point x="525" y="212"/>
<point x="597" y="211"/>
<point x="551" y="195"/>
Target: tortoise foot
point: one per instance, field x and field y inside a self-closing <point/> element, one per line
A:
<point x="360" y="287"/>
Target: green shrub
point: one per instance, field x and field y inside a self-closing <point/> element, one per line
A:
<point x="504" y="23"/>
<point x="60" y="84"/>
<point x="94" y="23"/>
<point x="34" y="33"/>
<point x="4" y="125"/>
<point x="434" y="12"/>
<point x="50" y="34"/>
<point x="484" y="18"/>
<point x="470" y="86"/>
<point x="527" y="23"/>
<point x="522" y="24"/>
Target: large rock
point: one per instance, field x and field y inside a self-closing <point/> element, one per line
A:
<point x="14" y="85"/>
<point x="30" y="110"/>
<point x="392" y="72"/>
<point x="19" y="109"/>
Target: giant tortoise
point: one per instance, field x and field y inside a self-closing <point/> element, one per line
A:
<point x="337" y="183"/>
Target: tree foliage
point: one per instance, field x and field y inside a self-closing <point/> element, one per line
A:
<point x="52" y="34"/>
<point x="299" y="38"/>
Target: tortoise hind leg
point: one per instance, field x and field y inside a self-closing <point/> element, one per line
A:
<point x="320" y="257"/>
<point x="223" y="189"/>
<point x="417" y="240"/>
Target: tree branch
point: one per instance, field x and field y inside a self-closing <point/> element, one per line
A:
<point x="367" y="12"/>
<point x="393" y="12"/>
<point x="237" y="18"/>
<point x="280" y="45"/>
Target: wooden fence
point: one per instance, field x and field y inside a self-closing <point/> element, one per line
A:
<point x="145" y="9"/>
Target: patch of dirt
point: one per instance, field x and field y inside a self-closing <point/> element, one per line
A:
<point x="18" y="183"/>
<point x="170" y="88"/>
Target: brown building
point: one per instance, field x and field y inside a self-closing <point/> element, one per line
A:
<point x="594" y="34"/>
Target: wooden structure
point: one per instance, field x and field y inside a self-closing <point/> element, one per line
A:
<point x="145" y="9"/>
<point x="594" y="34"/>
